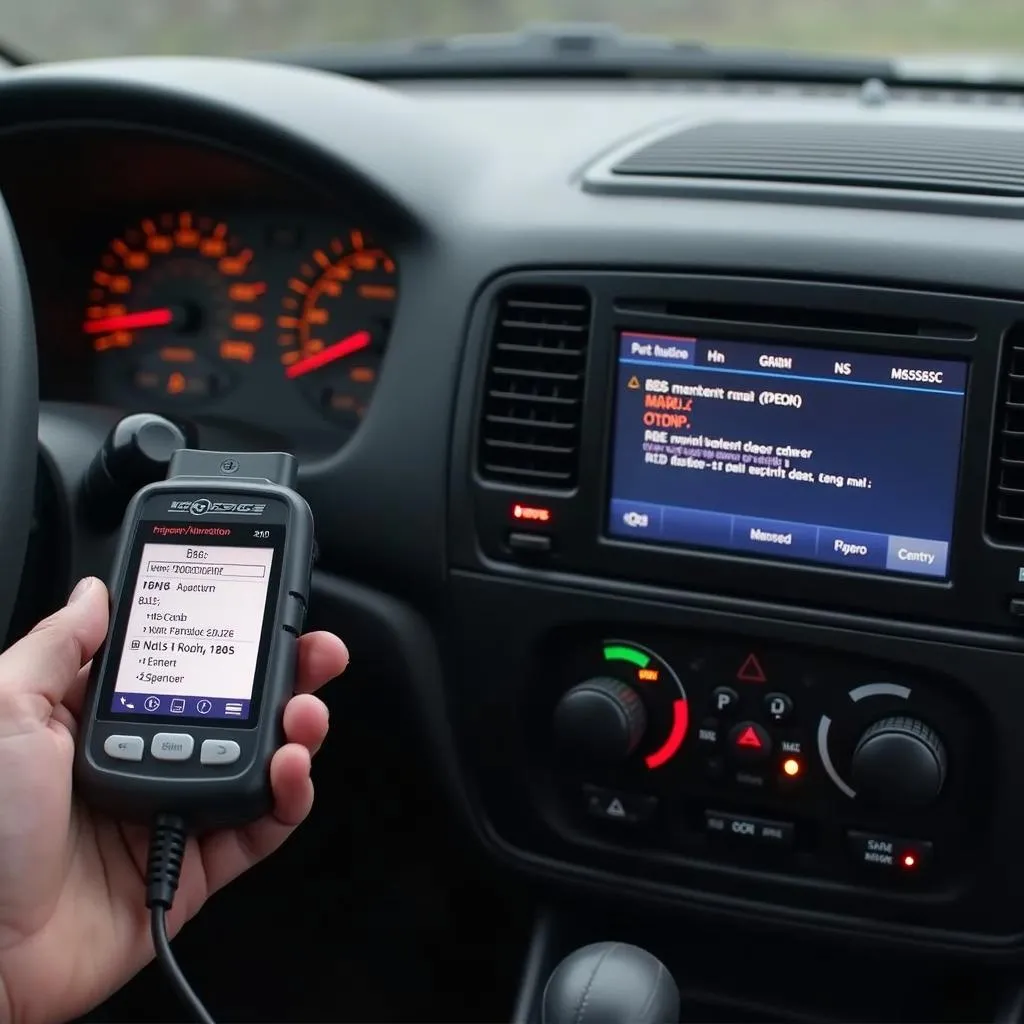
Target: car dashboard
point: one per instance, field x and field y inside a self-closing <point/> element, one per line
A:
<point x="657" y="651"/>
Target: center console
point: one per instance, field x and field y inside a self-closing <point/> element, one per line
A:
<point x="739" y="568"/>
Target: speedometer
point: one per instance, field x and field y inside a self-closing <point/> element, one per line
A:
<point x="334" y="324"/>
<point x="173" y="307"/>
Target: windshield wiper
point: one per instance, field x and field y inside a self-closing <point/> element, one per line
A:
<point x="580" y="51"/>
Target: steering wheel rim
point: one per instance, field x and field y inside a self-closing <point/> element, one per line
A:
<point x="19" y="416"/>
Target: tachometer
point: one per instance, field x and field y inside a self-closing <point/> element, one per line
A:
<point x="174" y="305"/>
<point x="334" y="324"/>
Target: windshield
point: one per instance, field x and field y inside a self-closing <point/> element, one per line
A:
<point x="48" y="29"/>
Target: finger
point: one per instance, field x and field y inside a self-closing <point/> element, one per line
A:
<point x="75" y="695"/>
<point x="47" y="661"/>
<point x="322" y="656"/>
<point x="227" y="854"/>
<point x="305" y="721"/>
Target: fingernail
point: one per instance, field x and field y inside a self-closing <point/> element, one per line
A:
<point x="81" y="589"/>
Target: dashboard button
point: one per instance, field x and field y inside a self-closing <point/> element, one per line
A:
<point x="124" y="748"/>
<point x="749" y="741"/>
<point x="889" y="853"/>
<point x="219" y="752"/>
<point x="778" y="707"/>
<point x="612" y="805"/>
<point x="743" y="828"/>
<point x="172" y="746"/>
<point x="724" y="700"/>
<point x="524" y="543"/>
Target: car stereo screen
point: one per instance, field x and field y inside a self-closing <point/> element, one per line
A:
<point x="841" y="458"/>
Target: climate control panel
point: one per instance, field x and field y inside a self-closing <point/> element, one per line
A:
<point x="715" y="749"/>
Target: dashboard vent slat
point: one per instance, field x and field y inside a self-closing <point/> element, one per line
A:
<point x="973" y="161"/>
<point x="1006" y="505"/>
<point x="533" y="398"/>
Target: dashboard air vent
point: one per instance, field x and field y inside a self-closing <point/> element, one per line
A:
<point x="530" y="425"/>
<point x="1008" y="470"/>
<point x="976" y="161"/>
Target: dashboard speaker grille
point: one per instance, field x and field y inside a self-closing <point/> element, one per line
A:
<point x="530" y="423"/>
<point x="977" y="161"/>
<point x="1008" y="472"/>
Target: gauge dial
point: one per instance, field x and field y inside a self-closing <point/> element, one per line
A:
<point x="174" y="306"/>
<point x="334" y="324"/>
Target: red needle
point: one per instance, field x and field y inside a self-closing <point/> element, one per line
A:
<point x="340" y="349"/>
<point x="130" y="321"/>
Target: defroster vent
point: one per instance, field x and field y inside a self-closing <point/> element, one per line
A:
<point x="1008" y="469"/>
<point x="530" y="424"/>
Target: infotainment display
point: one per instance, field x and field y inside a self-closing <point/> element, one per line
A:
<point x="843" y="458"/>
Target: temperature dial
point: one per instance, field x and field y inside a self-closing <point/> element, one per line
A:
<point x="899" y="761"/>
<point x="601" y="721"/>
<point x="631" y="707"/>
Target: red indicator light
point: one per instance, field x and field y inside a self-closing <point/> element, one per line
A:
<point x="908" y="860"/>
<point x="791" y="767"/>
<point x="531" y="513"/>
<point x="749" y="738"/>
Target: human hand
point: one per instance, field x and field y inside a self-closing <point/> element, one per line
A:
<point x="73" y="921"/>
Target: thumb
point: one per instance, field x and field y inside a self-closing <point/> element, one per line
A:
<point x="47" y="660"/>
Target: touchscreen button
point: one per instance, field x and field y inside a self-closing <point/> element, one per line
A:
<point x="788" y="540"/>
<point x="853" y="548"/>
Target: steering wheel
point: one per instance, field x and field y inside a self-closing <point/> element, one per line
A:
<point x="19" y="417"/>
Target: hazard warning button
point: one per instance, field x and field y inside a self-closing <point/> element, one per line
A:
<point x="749" y="741"/>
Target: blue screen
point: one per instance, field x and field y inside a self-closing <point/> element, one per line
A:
<point x="844" y="458"/>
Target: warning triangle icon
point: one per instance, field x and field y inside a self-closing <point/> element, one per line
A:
<point x="634" y="383"/>
<point x="749" y="738"/>
<point x="615" y="809"/>
<point x="750" y="671"/>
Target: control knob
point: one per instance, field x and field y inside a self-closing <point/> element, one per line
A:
<point x="600" y="721"/>
<point x="899" y="761"/>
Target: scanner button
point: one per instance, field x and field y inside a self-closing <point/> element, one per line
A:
<point x="172" y="746"/>
<point x="219" y="752"/>
<point x="124" y="748"/>
<point x="294" y="613"/>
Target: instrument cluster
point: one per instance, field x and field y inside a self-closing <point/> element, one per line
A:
<point x="194" y="282"/>
<point x="277" y="320"/>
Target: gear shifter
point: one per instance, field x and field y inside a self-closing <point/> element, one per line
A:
<point x="610" y="983"/>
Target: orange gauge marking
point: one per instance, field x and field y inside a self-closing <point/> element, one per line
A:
<point x="377" y="291"/>
<point x="240" y="351"/>
<point x="177" y="354"/>
<point x="245" y="291"/>
<point x="232" y="266"/>
<point x="246" y="322"/>
<point x="186" y="237"/>
<point x="362" y="375"/>
<point x="176" y="383"/>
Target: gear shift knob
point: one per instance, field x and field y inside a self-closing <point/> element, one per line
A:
<point x="610" y="983"/>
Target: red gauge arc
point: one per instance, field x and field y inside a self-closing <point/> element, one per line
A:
<point x="664" y="693"/>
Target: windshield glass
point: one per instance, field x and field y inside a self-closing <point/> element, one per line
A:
<point x="79" y="28"/>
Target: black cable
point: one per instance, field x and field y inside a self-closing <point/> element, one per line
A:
<point x="166" y="853"/>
